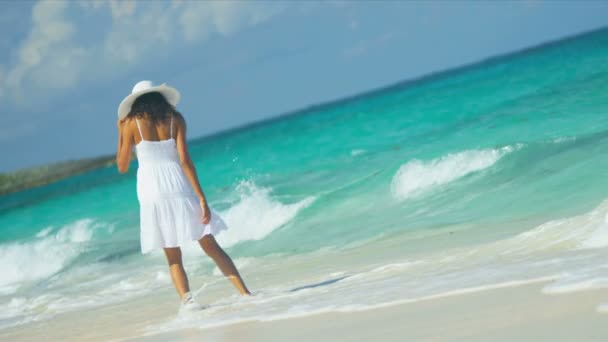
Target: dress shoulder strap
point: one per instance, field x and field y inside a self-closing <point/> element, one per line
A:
<point x="171" y="129"/>
<point x="139" y="129"/>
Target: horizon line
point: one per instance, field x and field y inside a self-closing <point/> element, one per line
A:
<point x="305" y="110"/>
<point x="428" y="77"/>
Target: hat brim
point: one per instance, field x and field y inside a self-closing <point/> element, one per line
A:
<point x="171" y="95"/>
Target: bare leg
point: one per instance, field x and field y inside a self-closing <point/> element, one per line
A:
<point x="176" y="268"/>
<point x="223" y="262"/>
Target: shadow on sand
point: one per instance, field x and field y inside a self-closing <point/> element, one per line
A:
<point x="323" y="283"/>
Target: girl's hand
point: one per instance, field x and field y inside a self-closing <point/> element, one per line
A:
<point x="120" y="123"/>
<point x="206" y="212"/>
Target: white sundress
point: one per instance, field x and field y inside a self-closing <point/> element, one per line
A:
<point x="170" y="212"/>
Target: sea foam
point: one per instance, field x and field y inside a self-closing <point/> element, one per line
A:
<point x="256" y="214"/>
<point x="572" y="248"/>
<point x="586" y="231"/>
<point x="47" y="254"/>
<point x="417" y="177"/>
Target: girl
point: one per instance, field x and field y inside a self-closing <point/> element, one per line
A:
<point x="173" y="207"/>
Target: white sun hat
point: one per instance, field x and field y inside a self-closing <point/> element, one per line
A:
<point x="144" y="87"/>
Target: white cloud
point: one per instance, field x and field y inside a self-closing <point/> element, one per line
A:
<point x="122" y="8"/>
<point x="50" y="60"/>
<point x="39" y="52"/>
<point x="134" y="36"/>
<point x="199" y="19"/>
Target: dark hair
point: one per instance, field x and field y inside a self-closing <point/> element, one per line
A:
<point x="152" y="105"/>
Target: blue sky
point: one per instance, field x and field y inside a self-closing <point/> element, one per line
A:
<point x="65" y="65"/>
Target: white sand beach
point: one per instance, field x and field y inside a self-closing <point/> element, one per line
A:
<point x="519" y="313"/>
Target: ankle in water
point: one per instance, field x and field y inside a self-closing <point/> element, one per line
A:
<point x="189" y="304"/>
<point x="187" y="297"/>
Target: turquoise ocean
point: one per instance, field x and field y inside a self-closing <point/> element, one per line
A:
<point x="490" y="175"/>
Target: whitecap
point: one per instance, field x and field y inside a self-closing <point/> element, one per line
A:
<point x="257" y="214"/>
<point x="47" y="254"/>
<point x="356" y="152"/>
<point x="417" y="177"/>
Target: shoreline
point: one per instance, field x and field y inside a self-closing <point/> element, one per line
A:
<point x="516" y="313"/>
<point x="513" y="311"/>
<point x="39" y="176"/>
